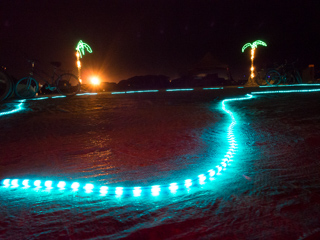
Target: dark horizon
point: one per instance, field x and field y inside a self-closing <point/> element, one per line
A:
<point x="137" y="37"/>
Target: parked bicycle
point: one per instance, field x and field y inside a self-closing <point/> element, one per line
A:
<point x="283" y="74"/>
<point x="259" y="77"/>
<point x="66" y="84"/>
<point x="6" y="84"/>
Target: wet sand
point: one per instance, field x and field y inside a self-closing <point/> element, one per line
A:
<point x="271" y="190"/>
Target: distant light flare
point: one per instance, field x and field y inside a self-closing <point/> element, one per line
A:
<point x="95" y="80"/>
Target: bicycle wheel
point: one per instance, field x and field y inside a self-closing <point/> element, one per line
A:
<point x="273" y="77"/>
<point x="259" y="80"/>
<point x="68" y="84"/>
<point x="298" y="77"/>
<point x="26" y="87"/>
<point x="290" y="79"/>
<point x="5" y="86"/>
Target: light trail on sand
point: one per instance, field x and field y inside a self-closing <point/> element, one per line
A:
<point x="138" y="191"/>
<point x="154" y="190"/>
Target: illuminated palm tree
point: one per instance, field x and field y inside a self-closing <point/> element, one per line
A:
<point x="253" y="46"/>
<point x="81" y="47"/>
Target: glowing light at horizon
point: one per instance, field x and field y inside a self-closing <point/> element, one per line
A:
<point x="95" y="80"/>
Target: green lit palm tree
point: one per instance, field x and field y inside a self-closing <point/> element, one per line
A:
<point x="81" y="47"/>
<point x="253" y="46"/>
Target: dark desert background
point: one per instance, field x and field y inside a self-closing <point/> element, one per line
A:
<point x="271" y="189"/>
<point x="138" y="37"/>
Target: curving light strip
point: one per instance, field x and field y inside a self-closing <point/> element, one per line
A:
<point x="18" y="108"/>
<point x="138" y="191"/>
<point x="154" y="190"/>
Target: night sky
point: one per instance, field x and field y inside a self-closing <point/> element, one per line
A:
<point x="137" y="37"/>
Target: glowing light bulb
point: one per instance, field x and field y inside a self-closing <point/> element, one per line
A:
<point x="119" y="191"/>
<point x="173" y="187"/>
<point x="48" y="184"/>
<point x="104" y="190"/>
<point x="75" y="186"/>
<point x="219" y="170"/>
<point x="14" y="183"/>
<point x="88" y="187"/>
<point x="137" y="191"/>
<point x="211" y="172"/>
<point x="6" y="182"/>
<point x="61" y="185"/>
<point x="37" y="183"/>
<point x="155" y="190"/>
<point x="188" y="183"/>
<point x="202" y="179"/>
<point x="25" y="183"/>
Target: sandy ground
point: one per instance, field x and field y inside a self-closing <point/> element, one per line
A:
<point x="271" y="190"/>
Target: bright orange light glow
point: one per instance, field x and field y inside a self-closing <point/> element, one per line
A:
<point x="95" y="80"/>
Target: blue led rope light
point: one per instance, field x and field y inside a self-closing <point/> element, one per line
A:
<point x="180" y="89"/>
<point x="81" y="94"/>
<point x="293" y="85"/>
<point x="138" y="190"/>
<point x="138" y="91"/>
<point x="18" y="108"/>
<point x="38" y="98"/>
<point x="212" y="88"/>
<point x="288" y="91"/>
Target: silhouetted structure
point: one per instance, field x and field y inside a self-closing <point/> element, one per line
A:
<point x="144" y="82"/>
<point x="207" y="72"/>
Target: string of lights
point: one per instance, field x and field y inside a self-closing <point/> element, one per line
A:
<point x="137" y="191"/>
<point x="154" y="190"/>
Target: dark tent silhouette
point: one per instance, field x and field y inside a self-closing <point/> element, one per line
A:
<point x="207" y="65"/>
